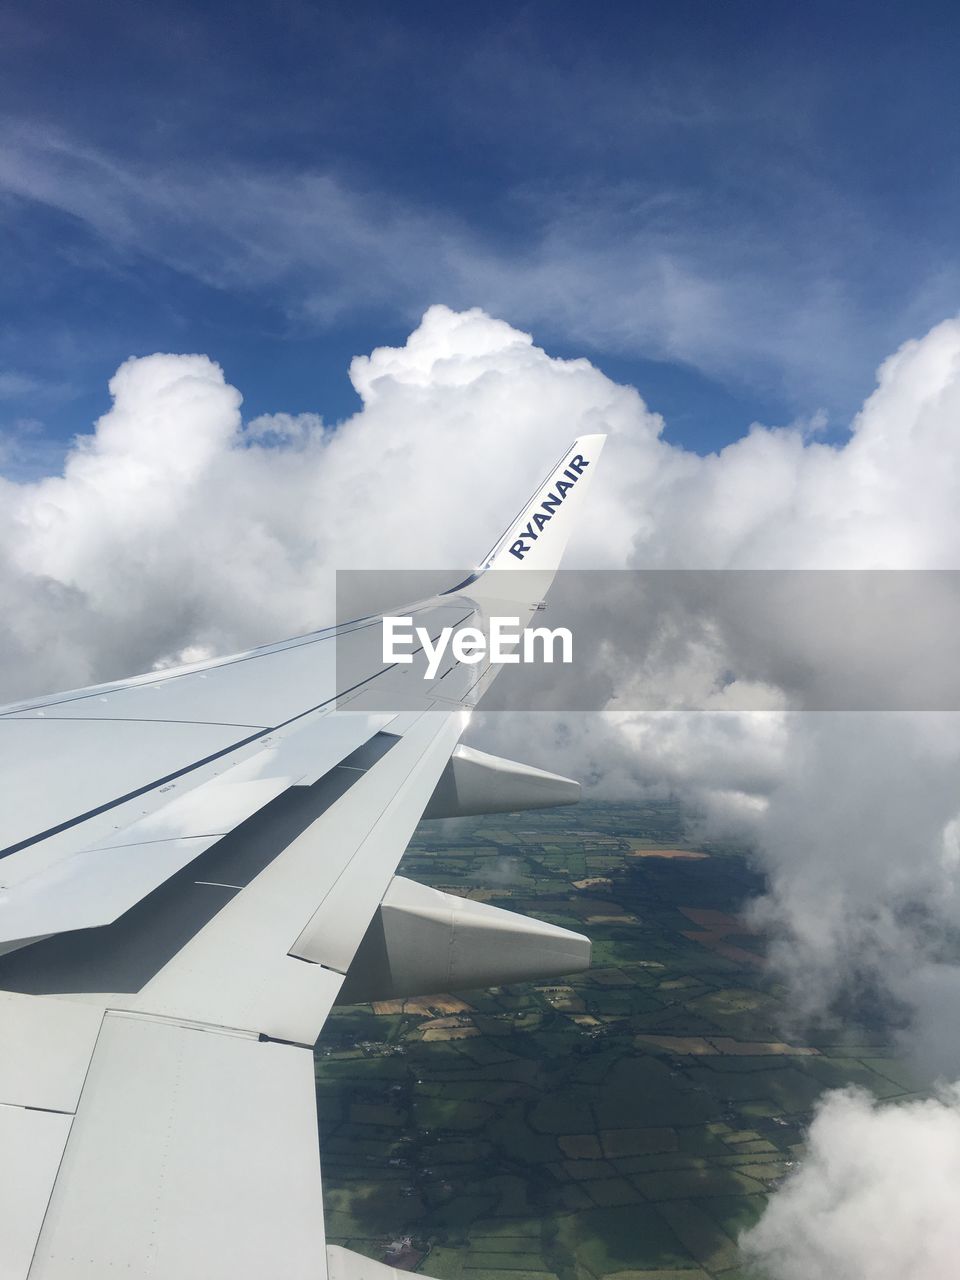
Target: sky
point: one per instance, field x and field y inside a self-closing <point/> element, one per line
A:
<point x="282" y="287"/>
<point x="741" y="209"/>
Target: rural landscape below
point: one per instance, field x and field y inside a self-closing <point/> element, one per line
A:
<point x="631" y="1119"/>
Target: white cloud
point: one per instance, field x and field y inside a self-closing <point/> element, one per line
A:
<point x="175" y="530"/>
<point x="875" y="1198"/>
<point x="172" y="517"/>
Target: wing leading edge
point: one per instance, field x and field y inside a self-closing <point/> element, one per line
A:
<point x="178" y="929"/>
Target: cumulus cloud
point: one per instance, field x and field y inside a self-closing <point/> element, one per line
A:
<point x="176" y="529"/>
<point x="875" y="1198"/>
<point x="175" y="524"/>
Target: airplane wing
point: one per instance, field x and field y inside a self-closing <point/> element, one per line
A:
<point x="195" y="866"/>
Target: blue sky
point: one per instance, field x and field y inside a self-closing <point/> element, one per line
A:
<point x="739" y="208"/>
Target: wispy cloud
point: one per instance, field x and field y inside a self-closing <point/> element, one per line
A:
<point x="652" y="273"/>
<point x="14" y="385"/>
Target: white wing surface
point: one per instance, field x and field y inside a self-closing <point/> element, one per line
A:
<point x="195" y="865"/>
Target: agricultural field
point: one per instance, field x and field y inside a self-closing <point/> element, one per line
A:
<point x="630" y="1119"/>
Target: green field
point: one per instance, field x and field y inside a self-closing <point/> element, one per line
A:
<point x="629" y="1119"/>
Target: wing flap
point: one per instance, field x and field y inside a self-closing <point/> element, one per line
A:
<point x="327" y="881"/>
<point x="47" y="1046"/>
<point x="335" y="930"/>
<point x="192" y="1154"/>
<point x="158" y="833"/>
<point x="32" y="1143"/>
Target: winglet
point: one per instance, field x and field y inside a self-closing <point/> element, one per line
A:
<point x="537" y="537"/>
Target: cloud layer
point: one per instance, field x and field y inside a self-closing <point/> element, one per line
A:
<point x="178" y="529"/>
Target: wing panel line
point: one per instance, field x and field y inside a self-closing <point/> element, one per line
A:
<point x="197" y="764"/>
<point x="17" y="709"/>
